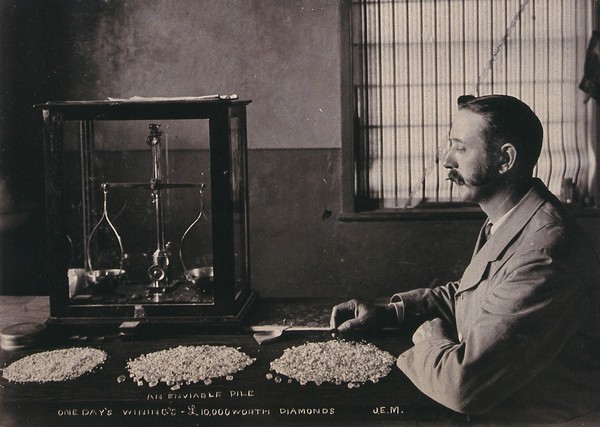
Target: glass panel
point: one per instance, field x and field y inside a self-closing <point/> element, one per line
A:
<point x="238" y="188"/>
<point x="153" y="241"/>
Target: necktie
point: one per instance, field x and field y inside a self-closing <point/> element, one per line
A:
<point x="485" y="235"/>
<point x="487" y="231"/>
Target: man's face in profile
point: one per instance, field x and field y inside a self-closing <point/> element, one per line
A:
<point x="469" y="161"/>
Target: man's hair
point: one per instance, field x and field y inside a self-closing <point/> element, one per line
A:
<point x="508" y="120"/>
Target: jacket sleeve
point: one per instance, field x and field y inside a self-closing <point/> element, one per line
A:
<point x="525" y="319"/>
<point x="424" y="303"/>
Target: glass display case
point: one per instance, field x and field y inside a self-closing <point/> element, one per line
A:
<point x="147" y="211"/>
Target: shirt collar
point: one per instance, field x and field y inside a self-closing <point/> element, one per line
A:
<point x="502" y="219"/>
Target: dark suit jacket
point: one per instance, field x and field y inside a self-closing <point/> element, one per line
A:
<point x="524" y="322"/>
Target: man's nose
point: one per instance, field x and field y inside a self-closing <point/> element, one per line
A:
<point x="449" y="160"/>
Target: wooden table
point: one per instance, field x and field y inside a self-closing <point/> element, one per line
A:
<point x="250" y="398"/>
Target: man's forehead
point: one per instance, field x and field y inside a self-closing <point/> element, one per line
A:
<point x="466" y="125"/>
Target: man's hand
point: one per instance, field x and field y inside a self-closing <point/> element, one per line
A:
<point x="429" y="329"/>
<point x="354" y="314"/>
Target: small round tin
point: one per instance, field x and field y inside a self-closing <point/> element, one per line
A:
<point x="21" y="335"/>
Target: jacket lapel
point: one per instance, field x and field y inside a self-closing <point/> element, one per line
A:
<point x="495" y="247"/>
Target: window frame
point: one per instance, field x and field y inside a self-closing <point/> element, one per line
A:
<point x="351" y="209"/>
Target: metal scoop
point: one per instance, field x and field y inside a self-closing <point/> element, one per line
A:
<point x="272" y="333"/>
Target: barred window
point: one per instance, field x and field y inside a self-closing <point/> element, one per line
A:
<point x="411" y="59"/>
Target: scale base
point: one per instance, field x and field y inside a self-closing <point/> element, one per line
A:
<point x="148" y="325"/>
<point x="158" y="292"/>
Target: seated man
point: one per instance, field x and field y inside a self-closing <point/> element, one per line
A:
<point x="518" y="337"/>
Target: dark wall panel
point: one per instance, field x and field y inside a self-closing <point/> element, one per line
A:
<point x="296" y="252"/>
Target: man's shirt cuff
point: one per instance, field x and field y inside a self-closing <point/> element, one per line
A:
<point x="398" y="304"/>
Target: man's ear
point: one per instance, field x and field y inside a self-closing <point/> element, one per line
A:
<point x="508" y="157"/>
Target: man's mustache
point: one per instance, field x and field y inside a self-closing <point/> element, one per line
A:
<point x="456" y="177"/>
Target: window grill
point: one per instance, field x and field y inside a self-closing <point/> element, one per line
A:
<point x="413" y="58"/>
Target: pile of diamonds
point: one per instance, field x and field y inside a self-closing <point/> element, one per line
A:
<point x="187" y="365"/>
<point x="334" y="361"/>
<point x="55" y="365"/>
